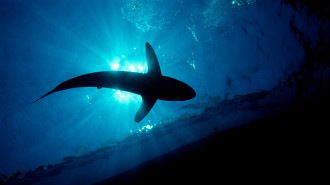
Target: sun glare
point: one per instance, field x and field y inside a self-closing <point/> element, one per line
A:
<point x="122" y="64"/>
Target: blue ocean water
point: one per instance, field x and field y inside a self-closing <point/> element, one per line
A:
<point x="245" y="59"/>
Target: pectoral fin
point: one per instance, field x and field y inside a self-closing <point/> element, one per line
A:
<point x="147" y="104"/>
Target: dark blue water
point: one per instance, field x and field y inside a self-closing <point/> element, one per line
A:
<point x="245" y="59"/>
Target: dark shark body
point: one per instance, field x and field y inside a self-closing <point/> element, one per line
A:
<point x="151" y="86"/>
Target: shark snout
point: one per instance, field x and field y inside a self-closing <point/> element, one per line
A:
<point x="191" y="93"/>
<point x="186" y="92"/>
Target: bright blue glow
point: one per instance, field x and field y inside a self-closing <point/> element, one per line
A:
<point x="220" y="48"/>
<point x="126" y="97"/>
<point x="114" y="64"/>
<point x="143" y="129"/>
<point x="122" y="64"/>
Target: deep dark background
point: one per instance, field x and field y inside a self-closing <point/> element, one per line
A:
<point x="289" y="146"/>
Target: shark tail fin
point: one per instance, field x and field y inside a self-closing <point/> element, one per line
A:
<point x="153" y="64"/>
<point x="44" y="96"/>
<point x="147" y="104"/>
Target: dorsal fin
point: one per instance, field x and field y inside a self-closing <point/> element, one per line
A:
<point x="153" y="65"/>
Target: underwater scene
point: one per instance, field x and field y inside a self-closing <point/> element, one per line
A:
<point x="92" y="89"/>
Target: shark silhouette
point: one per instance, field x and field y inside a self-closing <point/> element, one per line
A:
<point x="151" y="86"/>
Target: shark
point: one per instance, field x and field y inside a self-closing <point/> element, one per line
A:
<point x="151" y="86"/>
